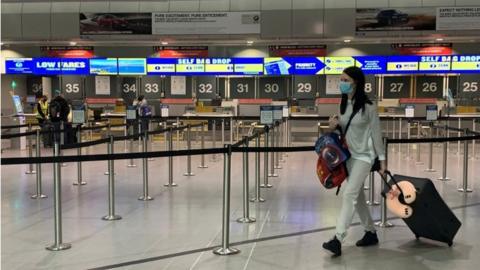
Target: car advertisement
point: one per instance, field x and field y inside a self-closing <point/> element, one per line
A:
<point x="395" y="19"/>
<point x="115" y="23"/>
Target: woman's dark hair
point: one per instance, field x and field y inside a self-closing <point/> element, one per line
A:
<point x="140" y="98"/>
<point x="359" y="99"/>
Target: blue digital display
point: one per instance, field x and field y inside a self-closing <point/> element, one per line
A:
<point x="161" y="66"/>
<point x="19" y="66"/>
<point x="75" y="66"/>
<point x="132" y="66"/>
<point x="61" y="66"/>
<point x="104" y="66"/>
<point x="466" y="63"/>
<point x="434" y="64"/>
<point x="293" y="65"/>
<point x="372" y="64"/>
<point x="248" y="66"/>
<point x="402" y="64"/>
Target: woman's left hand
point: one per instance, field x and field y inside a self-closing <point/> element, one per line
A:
<point x="383" y="167"/>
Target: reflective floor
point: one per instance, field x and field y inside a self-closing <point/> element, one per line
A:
<point x="180" y="227"/>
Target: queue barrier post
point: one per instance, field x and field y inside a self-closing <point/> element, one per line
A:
<point x="170" y="160"/>
<point x="430" y="153"/>
<point x="246" y="207"/>
<point x="258" y="197"/>
<point x="130" y="149"/>
<point x="265" y="163"/>
<point x="62" y="139"/>
<point x="277" y="143"/>
<point x="30" y="169"/>
<point x="444" y="162"/>
<point x="145" y="196"/>
<point x="371" y="194"/>
<point x="214" y="139"/>
<point x="38" y="194"/>
<point x="272" y="155"/>
<point x="419" y="145"/>
<point x="225" y="249"/>
<point x="111" y="185"/>
<point x="57" y="204"/>
<point x="202" y="145"/>
<point x="384" y="223"/>
<point x="464" y="187"/>
<point x="79" y="181"/>
<point x="189" y="157"/>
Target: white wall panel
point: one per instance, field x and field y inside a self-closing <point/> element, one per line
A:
<point x="439" y="3"/>
<point x="372" y="3"/>
<point x="11" y="8"/>
<point x="100" y="6"/>
<point x="405" y="3"/>
<point x="214" y="5"/>
<point x="124" y="6"/>
<point x="65" y="7"/>
<point x="157" y="6"/>
<point x="35" y="8"/>
<point x="36" y="26"/>
<point x="184" y="5"/>
<point x="275" y="4"/>
<point x="239" y="5"/>
<point x="65" y="25"/>
<point x="467" y="2"/>
<point x="308" y="4"/>
<point x="11" y="26"/>
<point x="339" y="4"/>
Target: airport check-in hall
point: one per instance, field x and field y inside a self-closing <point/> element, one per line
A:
<point x="240" y="134"/>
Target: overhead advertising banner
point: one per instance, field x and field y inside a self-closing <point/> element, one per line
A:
<point x="68" y="51"/>
<point x="297" y="50"/>
<point x="205" y="23"/>
<point x="248" y="66"/>
<point x="395" y="19"/>
<point x="293" y="65"/>
<point x="161" y="66"/>
<point x="434" y="63"/>
<point x="104" y="66"/>
<point x="372" y="64"/>
<point x="19" y="66"/>
<point x="466" y="63"/>
<point x="402" y="64"/>
<point x="115" y="23"/>
<point x="336" y="65"/>
<point x="458" y="18"/>
<point x="423" y="48"/>
<point x="132" y="66"/>
<point x="181" y="51"/>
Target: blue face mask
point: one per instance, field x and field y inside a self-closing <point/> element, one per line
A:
<point x="345" y="87"/>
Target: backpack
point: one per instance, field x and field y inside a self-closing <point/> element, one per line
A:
<point x="54" y="109"/>
<point x="145" y="111"/>
<point x="333" y="154"/>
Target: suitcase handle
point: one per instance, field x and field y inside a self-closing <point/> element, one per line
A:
<point x="384" y="178"/>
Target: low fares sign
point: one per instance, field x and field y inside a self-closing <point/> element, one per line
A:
<point x="48" y="66"/>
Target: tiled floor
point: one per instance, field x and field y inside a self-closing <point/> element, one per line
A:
<point x="178" y="228"/>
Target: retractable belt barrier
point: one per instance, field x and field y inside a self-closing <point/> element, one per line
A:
<point x="19" y="126"/>
<point x="29" y="133"/>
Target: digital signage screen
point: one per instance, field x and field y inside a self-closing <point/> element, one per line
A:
<point x="74" y="66"/>
<point x="104" y="66"/>
<point x="161" y="66"/>
<point x="192" y="66"/>
<point x="371" y="64"/>
<point x="307" y="65"/>
<point x="277" y="66"/>
<point x="466" y="63"/>
<point x="219" y="66"/>
<point x="19" y="66"/>
<point x="248" y="66"/>
<point x="132" y="66"/>
<point x="402" y="64"/>
<point x="439" y="63"/>
<point x="336" y="64"/>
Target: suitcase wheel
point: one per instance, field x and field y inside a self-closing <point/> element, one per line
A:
<point x="450" y="244"/>
<point x="417" y="236"/>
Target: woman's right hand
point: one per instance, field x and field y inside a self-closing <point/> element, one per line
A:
<point x="333" y="122"/>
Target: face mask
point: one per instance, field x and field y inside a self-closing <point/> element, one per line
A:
<point x="345" y="87"/>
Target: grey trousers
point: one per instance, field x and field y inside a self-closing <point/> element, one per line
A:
<point x="353" y="198"/>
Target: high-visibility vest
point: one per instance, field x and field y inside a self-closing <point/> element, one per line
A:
<point x="44" y="108"/>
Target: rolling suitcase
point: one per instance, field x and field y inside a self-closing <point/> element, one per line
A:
<point x="47" y="137"/>
<point x="431" y="217"/>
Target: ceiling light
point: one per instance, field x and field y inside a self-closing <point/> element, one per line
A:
<point x="249" y="42"/>
<point x="164" y="43"/>
<point x="347" y="40"/>
<point x="73" y="43"/>
<point x="439" y="39"/>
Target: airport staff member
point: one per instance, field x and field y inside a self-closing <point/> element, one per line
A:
<point x="364" y="140"/>
<point x="42" y="110"/>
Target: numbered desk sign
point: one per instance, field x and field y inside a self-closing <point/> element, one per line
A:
<point x="277" y="113"/>
<point x="410" y="111"/>
<point x="131" y="113"/>
<point x="396" y="87"/>
<point x="432" y="112"/>
<point x="429" y="87"/>
<point x="78" y="114"/>
<point x="206" y="87"/>
<point x="266" y="115"/>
